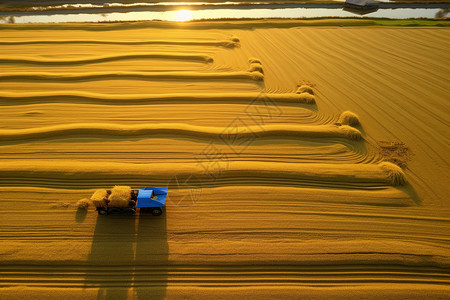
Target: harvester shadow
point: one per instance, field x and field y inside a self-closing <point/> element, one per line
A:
<point x="81" y="215"/>
<point x="128" y="257"/>
<point x="151" y="259"/>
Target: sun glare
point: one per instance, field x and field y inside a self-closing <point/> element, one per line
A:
<point x="183" y="15"/>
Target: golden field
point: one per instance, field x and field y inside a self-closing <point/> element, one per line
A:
<point x="303" y="162"/>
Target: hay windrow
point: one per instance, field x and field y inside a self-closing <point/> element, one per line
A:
<point x="126" y="75"/>
<point x="173" y="130"/>
<point x="213" y="43"/>
<point x="105" y="58"/>
<point x="240" y="173"/>
<point x="349" y="118"/>
<point x="68" y="96"/>
<point x="394" y="174"/>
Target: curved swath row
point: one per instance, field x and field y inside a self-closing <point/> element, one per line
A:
<point x="118" y="75"/>
<point x="178" y="131"/>
<point x="105" y="58"/>
<point x="216" y="43"/>
<point x="334" y="151"/>
<point x="235" y="173"/>
<point x="8" y="98"/>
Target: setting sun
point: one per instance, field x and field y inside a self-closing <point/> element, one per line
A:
<point x="183" y="15"/>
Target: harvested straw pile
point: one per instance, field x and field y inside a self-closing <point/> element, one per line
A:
<point x="258" y="76"/>
<point x="98" y="198"/>
<point x="255" y="67"/>
<point x="351" y="133"/>
<point x="254" y="61"/>
<point x="349" y="118"/>
<point x="83" y="204"/>
<point x="395" y="152"/>
<point x="305" y="89"/>
<point x="120" y="196"/>
<point x="306" y="98"/>
<point x="229" y="44"/>
<point x="394" y="173"/>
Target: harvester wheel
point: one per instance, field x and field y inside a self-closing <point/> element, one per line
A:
<point x="157" y="211"/>
<point x="102" y="212"/>
<point x="130" y="211"/>
<point x="114" y="210"/>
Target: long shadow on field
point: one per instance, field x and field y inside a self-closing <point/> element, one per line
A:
<point x="128" y="257"/>
<point x="151" y="259"/>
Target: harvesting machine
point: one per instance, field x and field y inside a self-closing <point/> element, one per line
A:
<point x="124" y="200"/>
